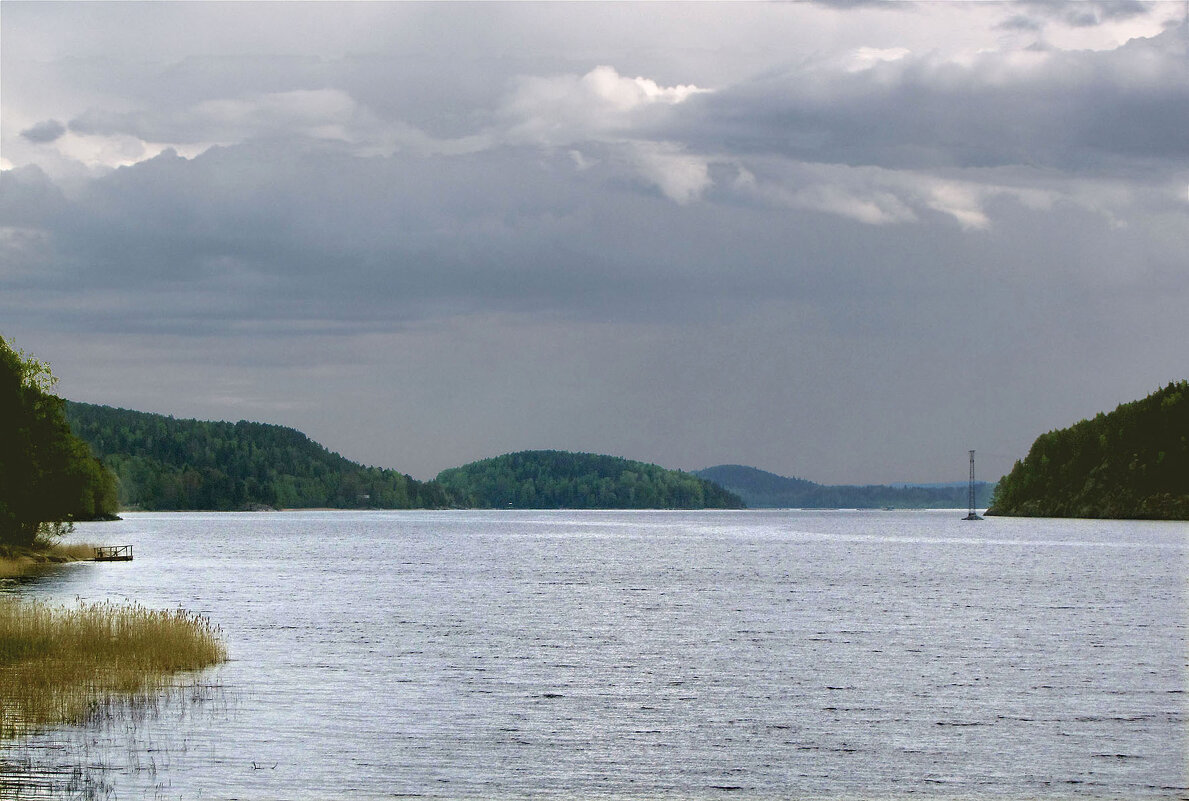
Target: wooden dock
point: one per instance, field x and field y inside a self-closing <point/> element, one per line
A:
<point x="113" y="553"/>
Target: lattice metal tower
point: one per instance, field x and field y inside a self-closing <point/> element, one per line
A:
<point x="973" y="514"/>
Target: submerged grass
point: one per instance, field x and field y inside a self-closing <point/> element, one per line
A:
<point x="59" y="664"/>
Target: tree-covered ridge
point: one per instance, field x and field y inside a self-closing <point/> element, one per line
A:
<point x="564" y="480"/>
<point x="47" y="474"/>
<point x="166" y="463"/>
<point x="1130" y="463"/>
<point x="761" y="489"/>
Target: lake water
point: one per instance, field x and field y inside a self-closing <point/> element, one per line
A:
<point x="701" y="655"/>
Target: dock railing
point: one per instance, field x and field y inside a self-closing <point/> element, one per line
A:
<point x="113" y="553"/>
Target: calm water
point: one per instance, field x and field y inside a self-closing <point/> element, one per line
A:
<point x="757" y="654"/>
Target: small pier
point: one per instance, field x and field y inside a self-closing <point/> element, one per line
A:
<point x="113" y="553"/>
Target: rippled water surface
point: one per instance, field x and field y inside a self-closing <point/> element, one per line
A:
<point x="758" y="654"/>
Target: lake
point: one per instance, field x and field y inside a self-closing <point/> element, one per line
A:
<point x="702" y="655"/>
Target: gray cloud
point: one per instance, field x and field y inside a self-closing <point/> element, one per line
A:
<point x="45" y="131"/>
<point x="1021" y="22"/>
<point x="1065" y="110"/>
<point x="1089" y="12"/>
<point x="507" y="226"/>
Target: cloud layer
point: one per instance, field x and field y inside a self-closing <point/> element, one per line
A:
<point x="840" y="242"/>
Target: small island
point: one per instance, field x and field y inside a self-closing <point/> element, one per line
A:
<point x="1132" y="463"/>
<point x="565" y="480"/>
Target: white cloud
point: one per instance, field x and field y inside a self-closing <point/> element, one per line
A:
<point x="104" y="151"/>
<point x="867" y="57"/>
<point x="682" y="176"/>
<point x="628" y="93"/>
<point x="604" y="108"/>
<point x="960" y="201"/>
<point x="562" y="109"/>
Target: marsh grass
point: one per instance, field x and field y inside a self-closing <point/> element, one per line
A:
<point x="63" y="665"/>
<point x="16" y="562"/>
<point x="73" y="551"/>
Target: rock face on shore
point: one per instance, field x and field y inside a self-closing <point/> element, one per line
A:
<point x="1129" y="463"/>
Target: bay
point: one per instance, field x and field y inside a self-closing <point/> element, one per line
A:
<point x="597" y="654"/>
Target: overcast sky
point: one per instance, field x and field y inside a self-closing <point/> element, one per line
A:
<point x="840" y="241"/>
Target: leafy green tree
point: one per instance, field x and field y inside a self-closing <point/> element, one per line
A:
<point x="47" y="474"/>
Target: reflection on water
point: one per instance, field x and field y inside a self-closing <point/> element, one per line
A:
<point x="136" y="736"/>
<point x="769" y="654"/>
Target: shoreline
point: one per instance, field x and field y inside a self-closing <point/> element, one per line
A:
<point x="19" y="561"/>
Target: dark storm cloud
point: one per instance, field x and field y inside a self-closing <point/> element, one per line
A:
<point x="45" y="131"/>
<point x="1070" y="110"/>
<point x="262" y="232"/>
<point x="267" y="240"/>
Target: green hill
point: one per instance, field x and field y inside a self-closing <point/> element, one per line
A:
<point x="1130" y="463"/>
<point x="166" y="463"/>
<point x="761" y="489"/>
<point x="562" y="480"/>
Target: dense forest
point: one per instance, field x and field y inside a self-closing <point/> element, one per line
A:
<point x="47" y="474"/>
<point x="166" y="463"/>
<point x="1130" y="463"/>
<point x="761" y="489"/>
<point x="563" y="480"/>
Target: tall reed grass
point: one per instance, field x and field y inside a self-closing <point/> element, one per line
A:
<point x="60" y="664"/>
<point x="16" y="562"/>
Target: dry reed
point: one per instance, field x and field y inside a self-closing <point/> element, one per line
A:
<point x="16" y="562"/>
<point x="57" y="664"/>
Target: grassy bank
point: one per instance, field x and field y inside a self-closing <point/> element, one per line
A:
<point x="59" y="664"/>
<point x="16" y="562"/>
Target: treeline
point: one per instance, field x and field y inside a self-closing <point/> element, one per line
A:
<point x="564" y="480"/>
<point x="761" y="489"/>
<point x="1129" y="463"/>
<point x="47" y="474"/>
<point x="166" y="463"/>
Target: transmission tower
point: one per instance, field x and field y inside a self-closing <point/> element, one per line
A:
<point x="973" y="514"/>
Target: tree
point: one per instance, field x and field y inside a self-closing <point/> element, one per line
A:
<point x="47" y="474"/>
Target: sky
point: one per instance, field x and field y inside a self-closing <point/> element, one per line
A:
<point x="842" y="241"/>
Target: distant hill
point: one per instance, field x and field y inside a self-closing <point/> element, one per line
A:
<point x="1130" y="463"/>
<point x="166" y="463"/>
<point x="563" y="480"/>
<point x="761" y="489"/>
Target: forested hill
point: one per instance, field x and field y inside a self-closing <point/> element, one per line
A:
<point x="761" y="489"/>
<point x="1129" y="463"/>
<point x="166" y="463"/>
<point x="563" y="480"/>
